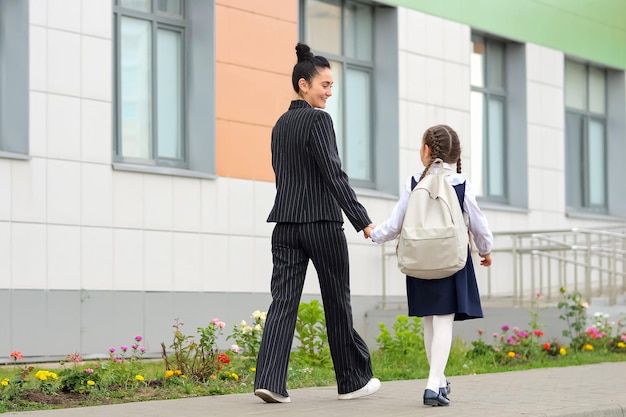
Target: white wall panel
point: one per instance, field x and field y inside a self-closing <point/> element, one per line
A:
<point x="128" y="266"/>
<point x="38" y="122"/>
<point x="216" y="266"/>
<point x="96" y="195"/>
<point x="29" y="190"/>
<point x="28" y="256"/>
<point x="5" y="254"/>
<point x="159" y="261"/>
<point x="186" y="200"/>
<point x="96" y="258"/>
<point x="5" y="189"/>
<point x="128" y="200"/>
<point x="63" y="62"/>
<point x="63" y="192"/>
<point x="188" y="262"/>
<point x="158" y="204"/>
<point x="38" y="57"/>
<point x="215" y="209"/>
<point x="63" y="121"/>
<point x="64" y="14"/>
<point x="96" y="18"/>
<point x="38" y="12"/>
<point x="96" y="68"/>
<point x="95" y="131"/>
<point x="240" y="206"/>
<point x="63" y="257"/>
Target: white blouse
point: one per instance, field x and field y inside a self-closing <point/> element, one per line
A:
<point x="478" y="226"/>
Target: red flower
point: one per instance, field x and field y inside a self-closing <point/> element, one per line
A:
<point x="538" y="332"/>
<point x="546" y="346"/>
<point x="223" y="358"/>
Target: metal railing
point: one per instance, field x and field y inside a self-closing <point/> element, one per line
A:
<point x="590" y="261"/>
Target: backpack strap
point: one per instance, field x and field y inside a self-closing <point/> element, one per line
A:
<point x="413" y="183"/>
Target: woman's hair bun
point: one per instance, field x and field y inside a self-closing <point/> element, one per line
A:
<point x="303" y="52"/>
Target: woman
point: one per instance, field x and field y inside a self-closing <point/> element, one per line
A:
<point x="311" y="192"/>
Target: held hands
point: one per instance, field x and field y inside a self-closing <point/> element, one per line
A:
<point x="368" y="230"/>
<point x="486" y="259"/>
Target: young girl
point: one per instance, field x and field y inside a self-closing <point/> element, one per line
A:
<point x="442" y="301"/>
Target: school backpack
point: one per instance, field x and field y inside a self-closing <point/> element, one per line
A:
<point x="433" y="241"/>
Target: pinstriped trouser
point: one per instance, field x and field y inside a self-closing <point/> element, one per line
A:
<point x="324" y="243"/>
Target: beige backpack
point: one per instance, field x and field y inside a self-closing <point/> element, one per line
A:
<point x="433" y="242"/>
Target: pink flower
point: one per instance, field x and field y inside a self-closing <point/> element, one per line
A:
<point x="89" y="371"/>
<point x="142" y="349"/>
<point x="480" y="332"/>
<point x="124" y="348"/>
<point x="135" y="346"/>
<point x="138" y="339"/>
<point x="505" y="328"/>
<point x="16" y="354"/>
<point x="112" y="350"/>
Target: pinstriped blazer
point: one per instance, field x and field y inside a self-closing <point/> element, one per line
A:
<point x="310" y="184"/>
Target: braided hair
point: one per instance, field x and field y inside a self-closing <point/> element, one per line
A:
<point x="307" y="66"/>
<point x="444" y="143"/>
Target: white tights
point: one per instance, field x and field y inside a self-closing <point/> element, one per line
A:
<point x="437" y="341"/>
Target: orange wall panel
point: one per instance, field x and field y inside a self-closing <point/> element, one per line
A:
<point x="277" y="9"/>
<point x="244" y="151"/>
<point x="249" y="95"/>
<point x="255" y="41"/>
<point x="255" y="55"/>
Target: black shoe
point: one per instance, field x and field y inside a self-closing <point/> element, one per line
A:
<point x="435" y="398"/>
<point x="445" y="391"/>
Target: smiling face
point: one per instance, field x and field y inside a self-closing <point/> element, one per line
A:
<point x="319" y="89"/>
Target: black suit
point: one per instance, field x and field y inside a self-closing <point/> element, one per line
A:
<point x="311" y="192"/>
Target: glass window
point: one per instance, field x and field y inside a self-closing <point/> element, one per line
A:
<point x="14" y="79"/>
<point x="151" y="82"/>
<point x="586" y="137"/>
<point x="343" y="31"/>
<point x="488" y="150"/>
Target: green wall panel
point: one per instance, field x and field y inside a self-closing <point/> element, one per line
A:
<point x="593" y="30"/>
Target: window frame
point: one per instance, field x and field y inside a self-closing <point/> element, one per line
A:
<point x="198" y="117"/>
<point x="577" y="162"/>
<point x="514" y="125"/>
<point x="14" y="66"/>
<point x="384" y="96"/>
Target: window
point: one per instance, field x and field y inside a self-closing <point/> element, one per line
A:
<point x="14" y="103"/>
<point x="350" y="34"/>
<point x="498" y="119"/>
<point x="160" y="54"/>
<point x="586" y="136"/>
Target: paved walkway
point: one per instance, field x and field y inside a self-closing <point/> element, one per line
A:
<point x="590" y="390"/>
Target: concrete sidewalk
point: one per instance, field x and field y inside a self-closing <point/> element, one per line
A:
<point x="589" y="390"/>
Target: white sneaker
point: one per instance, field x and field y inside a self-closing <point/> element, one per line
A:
<point x="371" y="387"/>
<point x="271" y="397"/>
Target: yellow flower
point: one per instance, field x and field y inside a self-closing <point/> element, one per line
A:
<point x="178" y="372"/>
<point x="511" y="354"/>
<point x="253" y="369"/>
<point x="139" y="378"/>
<point x="563" y="351"/>
<point x="621" y="345"/>
<point x="234" y="376"/>
<point x="588" y="347"/>
<point x="91" y="383"/>
<point x="5" y="382"/>
<point x="168" y="374"/>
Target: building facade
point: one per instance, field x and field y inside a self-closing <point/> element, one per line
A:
<point x="135" y="166"/>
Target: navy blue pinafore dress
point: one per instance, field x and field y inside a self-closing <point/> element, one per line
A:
<point x="456" y="294"/>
